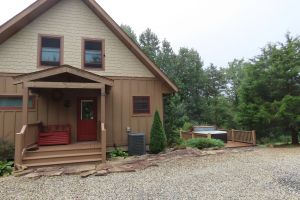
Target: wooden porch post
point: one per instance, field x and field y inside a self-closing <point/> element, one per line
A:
<point x="254" y="137"/>
<point x="103" y="130"/>
<point x="103" y="95"/>
<point x="232" y="135"/>
<point x="19" y="139"/>
<point x="25" y="106"/>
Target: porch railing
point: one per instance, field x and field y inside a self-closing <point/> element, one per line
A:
<point x="24" y="139"/>
<point x="242" y="136"/>
<point x="232" y="135"/>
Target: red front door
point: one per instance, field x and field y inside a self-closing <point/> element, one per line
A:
<point x="87" y="119"/>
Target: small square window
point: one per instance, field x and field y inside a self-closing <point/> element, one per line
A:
<point x="50" y="54"/>
<point x="93" y="54"/>
<point x="141" y="105"/>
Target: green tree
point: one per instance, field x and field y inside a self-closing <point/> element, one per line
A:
<point x="288" y="115"/>
<point x="234" y="75"/>
<point x="189" y="76"/>
<point x="215" y="84"/>
<point x="158" y="140"/>
<point x="149" y="42"/>
<point x="269" y="79"/>
<point x="166" y="59"/>
<point x="174" y="117"/>
<point x="215" y="81"/>
<point x="130" y="32"/>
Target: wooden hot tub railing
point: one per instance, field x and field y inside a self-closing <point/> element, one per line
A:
<point x="248" y="137"/>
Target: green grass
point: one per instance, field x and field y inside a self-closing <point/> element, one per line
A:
<point x="286" y="145"/>
<point x="275" y="141"/>
<point x="281" y="141"/>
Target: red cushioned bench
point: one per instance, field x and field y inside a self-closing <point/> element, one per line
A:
<point x="54" y="135"/>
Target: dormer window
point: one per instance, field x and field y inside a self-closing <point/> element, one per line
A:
<point x="93" y="54"/>
<point x="50" y="51"/>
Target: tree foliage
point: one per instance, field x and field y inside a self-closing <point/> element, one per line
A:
<point x="158" y="140"/>
<point x="260" y="94"/>
<point x="149" y="42"/>
<point x="271" y="88"/>
<point x="130" y="32"/>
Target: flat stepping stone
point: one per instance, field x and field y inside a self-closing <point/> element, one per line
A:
<point x="87" y="174"/>
<point x="33" y="175"/>
<point x="101" y="173"/>
<point x="78" y="169"/>
<point x="52" y="173"/>
<point x="23" y="173"/>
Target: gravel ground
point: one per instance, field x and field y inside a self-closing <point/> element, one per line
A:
<point x="265" y="173"/>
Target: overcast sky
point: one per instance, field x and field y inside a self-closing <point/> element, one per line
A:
<point x="220" y="30"/>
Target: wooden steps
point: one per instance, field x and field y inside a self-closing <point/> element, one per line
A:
<point x="63" y="154"/>
<point x="85" y="161"/>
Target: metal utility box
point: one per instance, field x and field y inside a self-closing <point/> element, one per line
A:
<point x="136" y="144"/>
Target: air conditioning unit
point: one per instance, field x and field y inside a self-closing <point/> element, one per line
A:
<point x="136" y="144"/>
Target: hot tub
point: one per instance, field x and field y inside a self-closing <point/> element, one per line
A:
<point x="210" y="131"/>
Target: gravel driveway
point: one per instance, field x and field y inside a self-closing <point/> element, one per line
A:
<point x="264" y="173"/>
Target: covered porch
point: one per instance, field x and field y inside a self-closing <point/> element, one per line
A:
<point x="64" y="97"/>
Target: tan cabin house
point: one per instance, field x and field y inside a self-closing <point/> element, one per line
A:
<point x="71" y="84"/>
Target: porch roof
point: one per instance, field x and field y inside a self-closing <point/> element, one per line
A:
<point x="34" y="79"/>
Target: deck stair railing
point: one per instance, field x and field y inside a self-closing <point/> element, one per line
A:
<point x="24" y="139"/>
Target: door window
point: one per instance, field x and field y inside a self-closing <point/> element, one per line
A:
<point x="87" y="109"/>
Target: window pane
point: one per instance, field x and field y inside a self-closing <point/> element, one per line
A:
<point x="10" y="102"/>
<point x="141" y="105"/>
<point x="93" y="54"/>
<point x="51" y="42"/>
<point x="50" y="51"/>
<point x="87" y="110"/>
<point x="50" y="55"/>
<point x="14" y="102"/>
<point x="93" y="58"/>
<point x="93" y="45"/>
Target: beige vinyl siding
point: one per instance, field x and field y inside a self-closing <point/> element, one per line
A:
<point x="73" y="20"/>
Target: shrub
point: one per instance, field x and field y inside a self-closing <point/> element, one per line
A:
<point x="6" y="167"/>
<point x="118" y="153"/>
<point x="6" y="151"/>
<point x="158" y="140"/>
<point x="173" y="137"/>
<point x="188" y="126"/>
<point x="202" y="143"/>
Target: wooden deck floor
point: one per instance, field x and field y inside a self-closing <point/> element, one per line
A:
<point x="231" y="144"/>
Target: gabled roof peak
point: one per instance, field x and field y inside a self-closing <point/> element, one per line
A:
<point x="40" y="6"/>
<point x="62" y="70"/>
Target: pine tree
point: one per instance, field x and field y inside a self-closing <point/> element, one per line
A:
<point x="129" y="31"/>
<point x="158" y="140"/>
<point x="149" y="42"/>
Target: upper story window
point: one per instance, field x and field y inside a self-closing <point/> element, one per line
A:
<point x="141" y="105"/>
<point x="93" y="54"/>
<point x="50" y="51"/>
